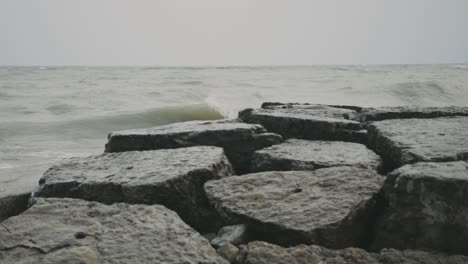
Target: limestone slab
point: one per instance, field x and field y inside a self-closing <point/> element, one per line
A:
<point x="297" y="154"/>
<point x="332" y="207"/>
<point x="57" y="231"/>
<point x="171" y="177"/>
<point x="238" y="139"/>
<point x="404" y="141"/>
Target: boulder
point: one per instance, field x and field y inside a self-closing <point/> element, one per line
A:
<point x="405" y="141"/>
<point x="403" y="112"/>
<point x="427" y="208"/>
<point x="235" y="235"/>
<point x="238" y="139"/>
<point x="13" y="204"/>
<point x="264" y="253"/>
<point x="56" y="231"/>
<point x="303" y="121"/>
<point x="171" y="177"/>
<point x="333" y="207"/>
<point x="298" y="154"/>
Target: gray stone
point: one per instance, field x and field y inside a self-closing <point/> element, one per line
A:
<point x="315" y="122"/>
<point x="264" y="253"/>
<point x="427" y="208"/>
<point x="404" y="141"/>
<point x="14" y="204"/>
<point x="297" y="154"/>
<point x="403" y="112"/>
<point x="171" y="177"/>
<point x="228" y="251"/>
<point x="56" y="231"/>
<point x="235" y="235"/>
<point x="333" y="207"/>
<point x="238" y="139"/>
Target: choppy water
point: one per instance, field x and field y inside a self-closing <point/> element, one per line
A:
<point x="47" y="113"/>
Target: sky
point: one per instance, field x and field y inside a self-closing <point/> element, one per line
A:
<point x="237" y="32"/>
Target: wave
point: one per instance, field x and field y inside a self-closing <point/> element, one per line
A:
<point x="419" y="92"/>
<point x="96" y="127"/>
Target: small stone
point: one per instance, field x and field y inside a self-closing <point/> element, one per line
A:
<point x="228" y="251"/>
<point x="235" y="235"/>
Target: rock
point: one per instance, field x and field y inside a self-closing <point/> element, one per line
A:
<point x="14" y="204"/>
<point x="228" y="251"/>
<point x="238" y="139"/>
<point x="403" y="112"/>
<point x="171" y="177"/>
<point x="56" y="231"/>
<point x="333" y="207"/>
<point x="404" y="141"/>
<point x="297" y="154"/>
<point x="314" y="122"/>
<point x="235" y="235"/>
<point x="426" y="208"/>
<point x="264" y="253"/>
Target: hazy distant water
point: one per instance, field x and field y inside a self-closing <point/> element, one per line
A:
<point x="47" y="114"/>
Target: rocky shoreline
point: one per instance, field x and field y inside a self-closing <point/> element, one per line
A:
<point x="284" y="183"/>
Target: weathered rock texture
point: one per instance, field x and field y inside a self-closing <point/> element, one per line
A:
<point x="404" y="141"/>
<point x="171" y="177"/>
<point x="333" y="207"/>
<point x="238" y="139"/>
<point x="264" y="253"/>
<point x="297" y="154"/>
<point x="235" y="235"/>
<point x="11" y="205"/>
<point x="316" y="122"/>
<point x="427" y="208"/>
<point x="403" y="112"/>
<point x="56" y="231"/>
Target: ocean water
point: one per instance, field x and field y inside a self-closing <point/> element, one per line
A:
<point x="51" y="113"/>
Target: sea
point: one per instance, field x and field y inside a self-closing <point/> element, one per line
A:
<point x="48" y="114"/>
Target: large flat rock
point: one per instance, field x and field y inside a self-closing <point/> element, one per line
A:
<point x="404" y="141"/>
<point x="264" y="253"/>
<point x="297" y="154"/>
<point x="304" y="121"/>
<point x="332" y="207"/>
<point x="13" y="204"/>
<point x="171" y="177"/>
<point x="57" y="231"/>
<point x="427" y="208"/>
<point x="238" y="139"/>
<point x="403" y="112"/>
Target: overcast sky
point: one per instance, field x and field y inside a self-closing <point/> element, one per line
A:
<point x="237" y="32"/>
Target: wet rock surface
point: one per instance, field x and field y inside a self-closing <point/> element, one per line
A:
<point x="403" y="112"/>
<point x="427" y="208"/>
<point x="332" y="207"/>
<point x="56" y="231"/>
<point x="264" y="253"/>
<point x="14" y="204"/>
<point x="171" y="177"/>
<point x="296" y="154"/>
<point x="404" y="141"/>
<point x="303" y="121"/>
<point x="238" y="139"/>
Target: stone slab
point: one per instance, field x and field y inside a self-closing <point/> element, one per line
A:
<point x="405" y="141"/>
<point x="238" y="139"/>
<point x="13" y="204"/>
<point x="171" y="177"/>
<point x="412" y="111"/>
<point x="297" y="154"/>
<point x="427" y="208"/>
<point x="72" y="231"/>
<point x="332" y="207"/>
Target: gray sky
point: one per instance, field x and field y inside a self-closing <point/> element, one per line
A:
<point x="237" y="32"/>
